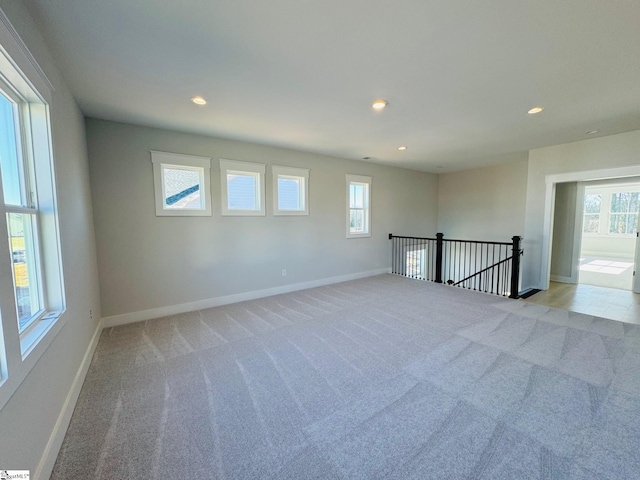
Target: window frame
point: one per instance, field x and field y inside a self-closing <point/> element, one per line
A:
<point x="28" y="206"/>
<point x="162" y="160"/>
<point x="359" y="180"/>
<point x="626" y="214"/>
<point x="278" y="172"/>
<point x="34" y="151"/>
<point x="257" y="170"/>
<point x="24" y="83"/>
<point x="585" y="213"/>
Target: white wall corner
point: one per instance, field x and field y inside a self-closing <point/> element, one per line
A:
<point x="50" y="454"/>
<point x="125" y="318"/>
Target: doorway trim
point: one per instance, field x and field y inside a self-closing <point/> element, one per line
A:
<point x="549" y="206"/>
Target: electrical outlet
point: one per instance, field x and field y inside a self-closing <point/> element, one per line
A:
<point x="284" y="272"/>
<point x="90" y="313"/>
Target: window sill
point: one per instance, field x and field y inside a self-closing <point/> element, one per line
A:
<point x="33" y="343"/>
<point x="358" y="235"/>
<point x="33" y="335"/>
<point x="609" y="235"/>
<point x="290" y="213"/>
<point x="243" y="213"/>
<point x="184" y="213"/>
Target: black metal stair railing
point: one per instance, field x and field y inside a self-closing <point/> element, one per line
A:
<point x="491" y="267"/>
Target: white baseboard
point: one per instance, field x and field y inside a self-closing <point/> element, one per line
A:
<point x="142" y="315"/>
<point x="48" y="459"/>
<point x="562" y="279"/>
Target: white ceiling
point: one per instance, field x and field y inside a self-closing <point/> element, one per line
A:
<point x="459" y="75"/>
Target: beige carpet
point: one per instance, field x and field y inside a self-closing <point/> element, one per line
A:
<point x="384" y="377"/>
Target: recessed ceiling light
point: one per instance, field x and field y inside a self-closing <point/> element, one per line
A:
<point x="379" y="104"/>
<point x="592" y="132"/>
<point x="199" y="100"/>
<point x="402" y="148"/>
<point x="535" y="110"/>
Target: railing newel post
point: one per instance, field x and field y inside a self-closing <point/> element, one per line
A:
<point x="439" y="243"/>
<point x="515" y="268"/>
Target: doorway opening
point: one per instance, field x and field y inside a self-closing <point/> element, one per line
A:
<point x="569" y="271"/>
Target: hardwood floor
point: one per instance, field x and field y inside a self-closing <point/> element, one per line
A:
<point x="612" y="303"/>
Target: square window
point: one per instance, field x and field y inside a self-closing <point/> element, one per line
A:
<point x="181" y="187"/>
<point x="358" y="206"/>
<point x="591" y="223"/>
<point x="242" y="188"/>
<point x="290" y="190"/>
<point x="181" y="184"/>
<point x="243" y="191"/>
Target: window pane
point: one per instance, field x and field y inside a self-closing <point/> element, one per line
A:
<point x="591" y="223"/>
<point x="592" y="203"/>
<point x="357" y="193"/>
<point x="632" y="223"/>
<point x="242" y="191"/>
<point x="290" y="193"/>
<point x="9" y="161"/>
<point x="620" y="202"/>
<point x="634" y="202"/>
<point x="21" y="241"/>
<point x="617" y="223"/>
<point x="356" y="223"/>
<point x="616" y="203"/>
<point x="182" y="188"/>
<point x="625" y="205"/>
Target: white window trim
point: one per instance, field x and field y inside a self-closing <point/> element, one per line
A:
<point x="358" y="179"/>
<point x="278" y="171"/>
<point x="19" y="353"/>
<point x="248" y="167"/>
<point x="161" y="159"/>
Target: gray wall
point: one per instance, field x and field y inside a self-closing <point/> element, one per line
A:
<point x="564" y="219"/>
<point x="483" y="203"/>
<point x="28" y="419"/>
<point x="147" y="262"/>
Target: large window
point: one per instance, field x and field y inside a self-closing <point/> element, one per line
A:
<point x="290" y="190"/>
<point x="358" y="206"/>
<point x="21" y="213"/>
<point x="611" y="210"/>
<point x="623" y="217"/>
<point x="181" y="184"/>
<point x="242" y="187"/>
<point x="592" y="204"/>
<point x="18" y="148"/>
<point x="31" y="282"/>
